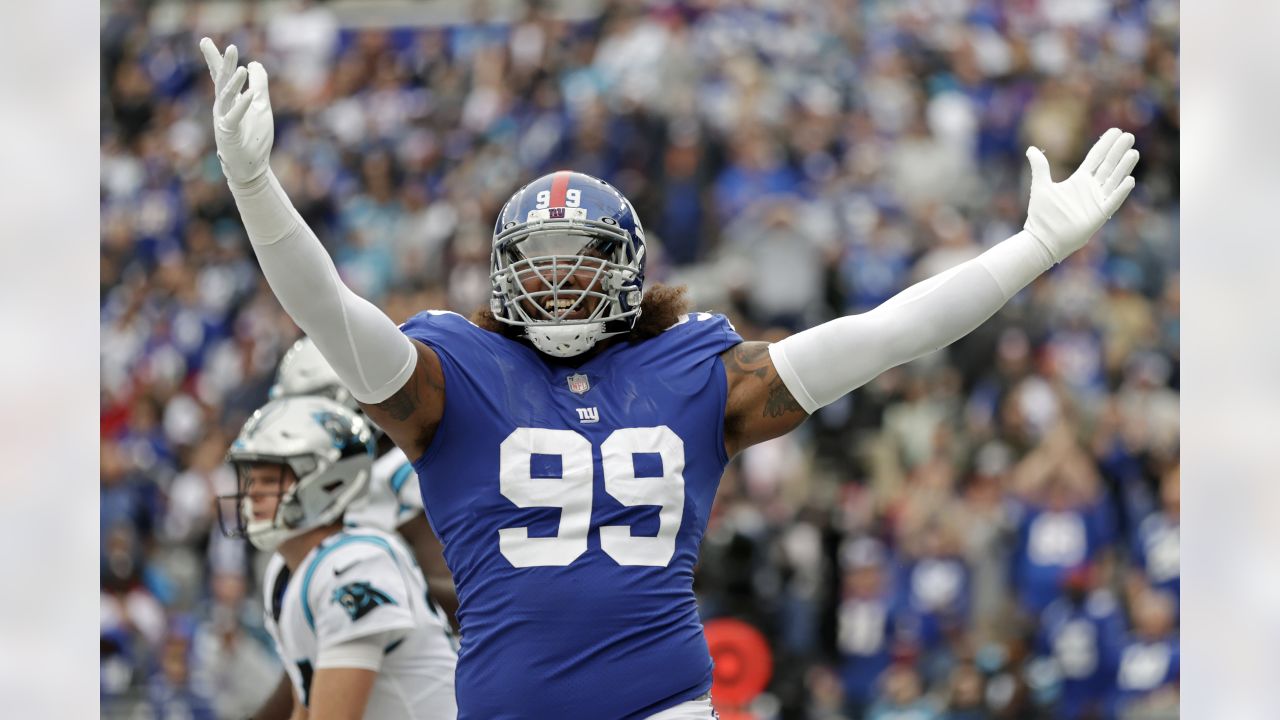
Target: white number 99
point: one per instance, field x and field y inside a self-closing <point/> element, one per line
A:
<point x="571" y="492"/>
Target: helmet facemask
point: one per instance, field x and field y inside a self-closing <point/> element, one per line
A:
<point x="266" y="534"/>
<point x="568" y="282"/>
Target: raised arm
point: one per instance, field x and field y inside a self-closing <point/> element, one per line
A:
<point x="397" y="380"/>
<point x="772" y="388"/>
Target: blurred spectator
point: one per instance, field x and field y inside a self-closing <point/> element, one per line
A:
<point x="903" y="697"/>
<point x="170" y="691"/>
<point x="868" y="629"/>
<point x="1079" y="632"/>
<point x="1065" y="521"/>
<point x="1148" y="664"/>
<point x="937" y="591"/>
<point x="231" y="653"/>
<point x="304" y="36"/>
<point x="1156" y="543"/>
<point x="966" y="694"/>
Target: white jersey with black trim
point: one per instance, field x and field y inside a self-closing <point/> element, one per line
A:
<point x="392" y="498"/>
<point x="356" y="583"/>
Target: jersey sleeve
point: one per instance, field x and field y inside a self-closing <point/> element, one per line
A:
<point x="445" y="332"/>
<point x="392" y="498"/>
<point x="355" y="591"/>
<point x="402" y="481"/>
<point x="464" y="349"/>
<point x="698" y="334"/>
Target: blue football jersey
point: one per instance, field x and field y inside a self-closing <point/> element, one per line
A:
<point x="571" y="502"/>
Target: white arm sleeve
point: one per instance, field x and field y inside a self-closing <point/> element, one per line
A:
<point x="824" y="363"/>
<point x="369" y="353"/>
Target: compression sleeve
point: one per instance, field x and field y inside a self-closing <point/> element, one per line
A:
<point x="366" y="349"/>
<point x="824" y="363"/>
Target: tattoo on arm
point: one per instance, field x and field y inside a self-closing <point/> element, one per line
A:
<point x="760" y="405"/>
<point x="753" y="359"/>
<point x="780" y="401"/>
<point x="402" y="405"/>
<point x="749" y="359"/>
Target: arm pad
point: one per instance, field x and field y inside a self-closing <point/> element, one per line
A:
<point x="824" y="363"/>
<point x="366" y="349"/>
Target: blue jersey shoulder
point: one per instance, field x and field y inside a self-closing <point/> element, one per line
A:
<point x="432" y="326"/>
<point x="697" y="335"/>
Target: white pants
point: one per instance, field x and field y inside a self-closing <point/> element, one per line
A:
<point x="699" y="709"/>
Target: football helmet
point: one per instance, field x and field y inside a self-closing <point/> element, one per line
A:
<point x="330" y="450"/>
<point x="559" y="226"/>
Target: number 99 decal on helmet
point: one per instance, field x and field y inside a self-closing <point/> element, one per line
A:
<point x="567" y="263"/>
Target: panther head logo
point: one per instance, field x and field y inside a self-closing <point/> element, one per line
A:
<point x="358" y="598"/>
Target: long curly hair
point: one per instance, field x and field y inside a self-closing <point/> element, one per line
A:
<point x="661" y="307"/>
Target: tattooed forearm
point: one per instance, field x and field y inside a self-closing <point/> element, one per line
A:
<point x="749" y="358"/>
<point x="759" y="406"/>
<point x="780" y="401"/>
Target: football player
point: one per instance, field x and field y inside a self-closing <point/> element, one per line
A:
<point x="347" y="608"/>
<point x="391" y="502"/>
<point x="568" y="451"/>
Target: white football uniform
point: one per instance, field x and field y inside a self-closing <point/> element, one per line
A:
<point x="356" y="583"/>
<point x="392" y="498"/>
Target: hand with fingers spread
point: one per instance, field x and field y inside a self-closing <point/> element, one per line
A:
<point x="243" y="128"/>
<point x="1064" y="215"/>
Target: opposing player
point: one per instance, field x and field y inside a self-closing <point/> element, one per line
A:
<point x="392" y="502"/>
<point x="569" y="454"/>
<point x="347" y="608"/>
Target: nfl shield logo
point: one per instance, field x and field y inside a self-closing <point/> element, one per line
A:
<point x="578" y="383"/>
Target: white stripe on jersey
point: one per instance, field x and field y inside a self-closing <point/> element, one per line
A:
<point x="360" y="582"/>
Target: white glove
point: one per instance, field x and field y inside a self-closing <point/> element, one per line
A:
<point x="243" y="128"/>
<point x="1063" y="216"/>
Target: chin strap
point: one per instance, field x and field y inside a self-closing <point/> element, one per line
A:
<point x="565" y="341"/>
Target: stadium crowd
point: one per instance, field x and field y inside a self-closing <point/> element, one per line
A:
<point x="988" y="532"/>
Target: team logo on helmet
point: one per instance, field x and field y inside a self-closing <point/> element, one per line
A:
<point x="342" y="431"/>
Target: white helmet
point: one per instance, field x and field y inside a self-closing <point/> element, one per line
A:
<point x="304" y="371"/>
<point x="330" y="449"/>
